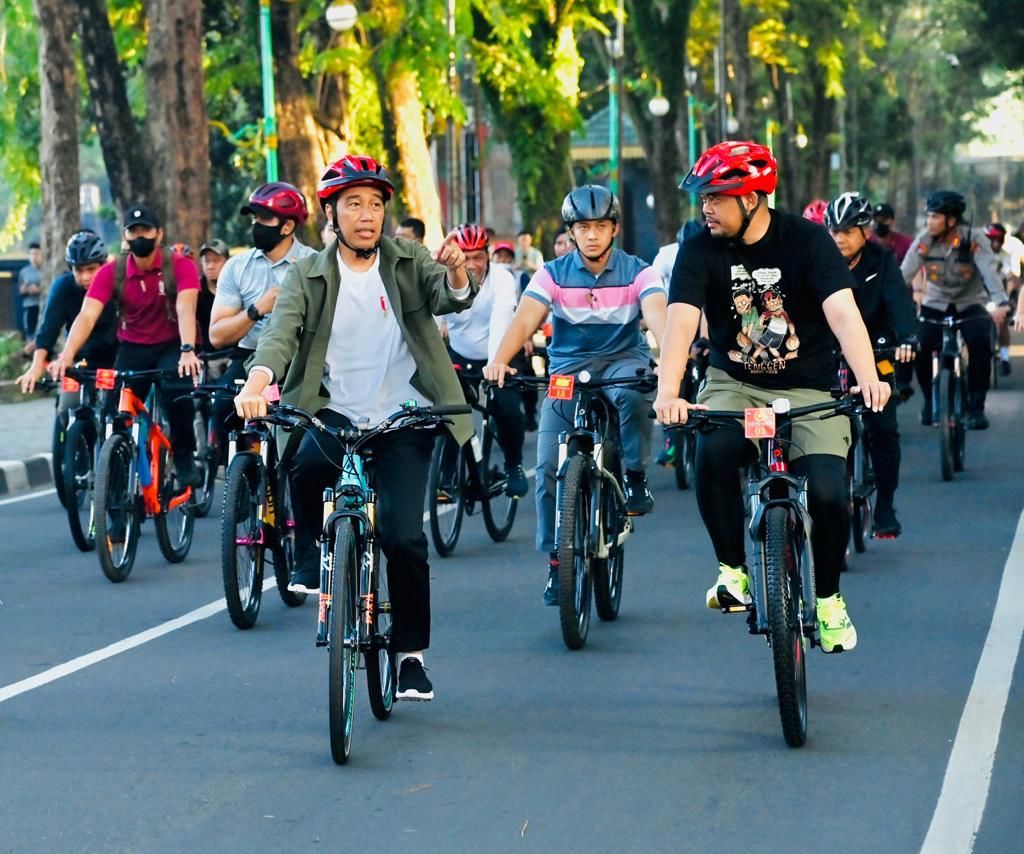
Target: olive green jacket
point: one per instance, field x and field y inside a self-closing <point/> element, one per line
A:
<point x="300" y="325"/>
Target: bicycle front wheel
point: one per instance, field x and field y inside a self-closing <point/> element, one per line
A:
<point x="284" y="540"/>
<point x="343" y="639"/>
<point x="380" y="666"/>
<point x="117" y="513"/>
<point x="79" y="453"/>
<point x="174" y="525"/>
<point x="943" y="390"/>
<point x="685" y="443"/>
<point x="206" y="463"/>
<point x="607" y="571"/>
<point x="958" y="398"/>
<point x="242" y="550"/>
<point x="57" y="456"/>
<point x="575" y="579"/>
<point x="785" y="632"/>
<point x="446" y="494"/>
<point x="499" y="508"/>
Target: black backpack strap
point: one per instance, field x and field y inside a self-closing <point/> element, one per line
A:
<point x="120" y="274"/>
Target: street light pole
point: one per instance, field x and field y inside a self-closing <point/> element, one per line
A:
<point x="269" y="96"/>
<point x="691" y="128"/>
<point x="614" y="143"/>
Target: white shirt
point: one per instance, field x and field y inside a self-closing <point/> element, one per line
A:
<point x="665" y="260"/>
<point x="477" y="332"/>
<point x="369" y="365"/>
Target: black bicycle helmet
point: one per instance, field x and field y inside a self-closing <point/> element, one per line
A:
<point x="688" y="229"/>
<point x="848" y="210"/>
<point x="948" y="202"/>
<point x="85" y="247"/>
<point x="590" y="202"/>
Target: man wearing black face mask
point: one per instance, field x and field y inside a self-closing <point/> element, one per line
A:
<point x="884" y="234"/>
<point x="249" y="282"/>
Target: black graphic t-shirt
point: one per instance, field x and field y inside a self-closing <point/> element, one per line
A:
<point x="763" y="301"/>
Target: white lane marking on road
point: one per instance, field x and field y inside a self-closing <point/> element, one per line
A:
<point x="20" y="498"/>
<point x="91" y="658"/>
<point x="968" y="776"/>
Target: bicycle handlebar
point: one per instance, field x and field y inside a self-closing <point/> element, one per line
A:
<point x="645" y="381"/>
<point x="697" y="418"/>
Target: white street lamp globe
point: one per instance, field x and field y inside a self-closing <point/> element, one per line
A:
<point x="801" y="140"/>
<point x="341" y="17"/>
<point x="659" y="106"/>
<point x="732" y="124"/>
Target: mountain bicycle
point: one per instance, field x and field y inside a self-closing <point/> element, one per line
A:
<point x="462" y="477"/>
<point x="354" y="614"/>
<point x="257" y="517"/>
<point x="681" y="445"/>
<point x="592" y="524"/>
<point x="135" y="479"/>
<point x="208" y="443"/>
<point x="783" y="606"/>
<point x="949" y="393"/>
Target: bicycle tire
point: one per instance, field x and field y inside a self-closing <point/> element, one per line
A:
<point x="79" y="453"/>
<point x="785" y="632"/>
<point x="446" y="515"/>
<point x="57" y="457"/>
<point x="342" y="645"/>
<point x="117" y="513"/>
<point x="607" y="572"/>
<point x="860" y="505"/>
<point x="941" y="386"/>
<point x="378" y="659"/>
<point x="958" y="398"/>
<point x="686" y="446"/>
<point x="575" y="577"/>
<point x="499" y="509"/>
<point x="242" y="554"/>
<point x="174" y="527"/>
<point x="284" y="535"/>
<point x="206" y="464"/>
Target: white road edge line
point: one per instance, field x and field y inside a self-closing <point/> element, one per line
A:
<point x="90" y="658"/>
<point x="965" y="787"/>
<point x="18" y="498"/>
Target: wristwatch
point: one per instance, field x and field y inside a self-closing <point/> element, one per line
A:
<point x="254" y="313"/>
<point x="187" y="348"/>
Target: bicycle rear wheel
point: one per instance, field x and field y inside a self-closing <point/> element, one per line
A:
<point x="499" y="509"/>
<point x="79" y="453"/>
<point x="117" y="513"/>
<point x="242" y="550"/>
<point x="574" y="560"/>
<point x="942" y="387"/>
<point x="860" y="504"/>
<point x="380" y="666"/>
<point x="174" y="525"/>
<point x="446" y="494"/>
<point x="785" y="632"/>
<point x="206" y="463"/>
<point x="343" y="640"/>
<point x="686" y="457"/>
<point x="284" y="540"/>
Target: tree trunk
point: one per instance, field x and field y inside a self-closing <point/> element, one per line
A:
<point x="58" y="147"/>
<point x="414" y="162"/>
<point x="176" y="121"/>
<point x="124" y="157"/>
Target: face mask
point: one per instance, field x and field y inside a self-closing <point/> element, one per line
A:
<point x="142" y="247"/>
<point x="266" y="237"/>
<point x="882" y="228"/>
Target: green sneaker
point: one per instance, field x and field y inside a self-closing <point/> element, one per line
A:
<point x="731" y="590"/>
<point x="834" y="626"/>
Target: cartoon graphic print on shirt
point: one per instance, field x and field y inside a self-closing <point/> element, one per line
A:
<point x="767" y="337"/>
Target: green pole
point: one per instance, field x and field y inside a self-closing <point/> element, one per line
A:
<point x="269" y="98"/>
<point x="691" y="125"/>
<point x="613" y="127"/>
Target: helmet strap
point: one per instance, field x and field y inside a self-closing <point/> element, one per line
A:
<point x="365" y="254"/>
<point x="747" y="216"/>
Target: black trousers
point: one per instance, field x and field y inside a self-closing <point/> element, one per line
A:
<point x="224" y="418"/>
<point x="720" y="497"/>
<point x="883" y="442"/>
<point x="506" y="405"/>
<point x="401" y="462"/>
<point x="977" y="336"/>
<point x="146" y="357"/>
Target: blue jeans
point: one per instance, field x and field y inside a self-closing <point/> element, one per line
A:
<point x="556" y="416"/>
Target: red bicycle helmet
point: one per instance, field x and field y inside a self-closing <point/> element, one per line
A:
<point x="815" y="211"/>
<point x="503" y="246"/>
<point x="996" y="231"/>
<point x="353" y="170"/>
<point x="182" y="249"/>
<point x="733" y="168"/>
<point x="469" y="238"/>
<point x="278" y="198"/>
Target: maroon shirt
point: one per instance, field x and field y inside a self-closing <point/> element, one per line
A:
<point x="144" y="315"/>
<point x="895" y="242"/>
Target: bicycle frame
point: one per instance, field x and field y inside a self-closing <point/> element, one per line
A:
<point x="255" y="439"/>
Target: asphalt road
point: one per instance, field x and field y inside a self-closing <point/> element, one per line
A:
<point x="661" y="735"/>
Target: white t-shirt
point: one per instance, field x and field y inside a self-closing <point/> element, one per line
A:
<point x="477" y="332"/>
<point x="665" y="260"/>
<point x="369" y="365"/>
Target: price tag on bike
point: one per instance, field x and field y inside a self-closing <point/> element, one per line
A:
<point x="68" y="384"/>
<point x="759" y="423"/>
<point x="560" y="387"/>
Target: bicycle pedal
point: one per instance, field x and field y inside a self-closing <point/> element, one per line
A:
<point x="736" y="609"/>
<point x="883" y="536"/>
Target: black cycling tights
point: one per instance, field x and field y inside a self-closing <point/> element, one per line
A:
<point x="720" y="497"/>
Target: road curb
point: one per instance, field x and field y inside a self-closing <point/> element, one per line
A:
<point x="24" y="475"/>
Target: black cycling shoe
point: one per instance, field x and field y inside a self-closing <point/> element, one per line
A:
<point x="186" y="472"/>
<point x="886" y="526"/>
<point x="305" y="575"/>
<point x="977" y="421"/>
<point x="904" y="393"/>
<point x="926" y="417"/>
<point x="1004" y="367"/>
<point x="639" y="500"/>
<point x="516" y="485"/>
<point x="413" y="683"/>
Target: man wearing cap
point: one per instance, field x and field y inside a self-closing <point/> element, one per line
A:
<point x="154" y="330"/>
<point x="883" y="232"/>
<point x="213" y="255"/>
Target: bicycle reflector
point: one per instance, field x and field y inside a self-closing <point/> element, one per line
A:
<point x="105" y="378"/>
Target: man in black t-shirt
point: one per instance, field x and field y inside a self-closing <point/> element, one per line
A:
<point x="774" y="289"/>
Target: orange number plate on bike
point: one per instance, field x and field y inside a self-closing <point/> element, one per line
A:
<point x="759" y="423"/>
<point x="560" y="387"/>
<point x="69" y="384"/>
<point x="105" y="378"/>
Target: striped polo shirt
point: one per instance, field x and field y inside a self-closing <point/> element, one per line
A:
<point x="594" y="316"/>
